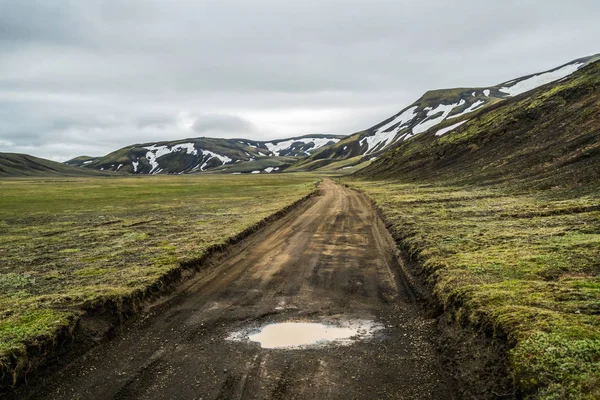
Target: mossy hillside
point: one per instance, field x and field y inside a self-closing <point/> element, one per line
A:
<point x="177" y="162"/>
<point x="479" y="97"/>
<point x="23" y="165"/>
<point x="546" y="138"/>
<point x="69" y="244"/>
<point x="346" y="166"/>
<point x="238" y="150"/>
<point x="521" y="265"/>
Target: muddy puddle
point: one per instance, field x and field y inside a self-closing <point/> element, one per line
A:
<point x="301" y="335"/>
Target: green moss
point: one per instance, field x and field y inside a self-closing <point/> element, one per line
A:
<point x="13" y="281"/>
<point x="70" y="251"/>
<point x="93" y="271"/>
<point x="523" y="265"/>
<point x="34" y="327"/>
<point x="562" y="366"/>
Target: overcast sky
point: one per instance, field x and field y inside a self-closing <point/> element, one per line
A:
<point x="89" y="76"/>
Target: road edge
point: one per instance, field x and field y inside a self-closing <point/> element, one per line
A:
<point x="469" y="354"/>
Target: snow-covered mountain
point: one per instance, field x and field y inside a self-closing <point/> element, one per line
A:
<point x="431" y="110"/>
<point x="205" y="154"/>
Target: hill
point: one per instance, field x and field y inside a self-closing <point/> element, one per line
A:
<point x="550" y="136"/>
<point x="15" y="165"/>
<point x="433" y="109"/>
<point x="206" y="154"/>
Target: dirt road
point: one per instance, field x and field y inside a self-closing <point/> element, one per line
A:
<point x="331" y="260"/>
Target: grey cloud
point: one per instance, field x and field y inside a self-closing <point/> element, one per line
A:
<point x="108" y="73"/>
<point x="223" y="123"/>
<point x="155" y="121"/>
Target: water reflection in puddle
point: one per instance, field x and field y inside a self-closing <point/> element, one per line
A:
<point x="296" y="335"/>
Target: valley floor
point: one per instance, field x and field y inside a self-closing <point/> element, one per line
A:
<point x="331" y="261"/>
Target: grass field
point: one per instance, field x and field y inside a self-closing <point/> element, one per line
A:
<point x="524" y="265"/>
<point x="66" y="244"/>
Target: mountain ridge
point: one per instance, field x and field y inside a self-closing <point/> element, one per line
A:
<point x="442" y="109"/>
<point x="430" y="110"/>
<point x="549" y="137"/>
<point x="203" y="154"/>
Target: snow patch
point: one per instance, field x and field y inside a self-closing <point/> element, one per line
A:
<point x="255" y="172"/>
<point x="155" y="152"/>
<point x="268" y="170"/>
<point x="473" y="107"/>
<point x="279" y="147"/>
<point x="382" y="137"/>
<point x="487" y="92"/>
<point x="135" y="164"/>
<point x="540" y="80"/>
<point x="449" y="128"/>
<point x="445" y="109"/>
<point x="224" y="159"/>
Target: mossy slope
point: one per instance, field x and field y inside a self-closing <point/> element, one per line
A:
<point x="504" y="215"/>
<point x="15" y="165"/>
<point x="548" y="137"/>
<point x="465" y="101"/>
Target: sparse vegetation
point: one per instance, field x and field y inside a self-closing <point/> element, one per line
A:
<point x="69" y="244"/>
<point x="522" y="265"/>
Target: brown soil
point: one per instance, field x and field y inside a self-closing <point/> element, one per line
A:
<point x="329" y="260"/>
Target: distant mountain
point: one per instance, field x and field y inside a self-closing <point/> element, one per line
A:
<point x="549" y="137"/>
<point x="436" y="111"/>
<point x="207" y="154"/>
<point x="81" y="161"/>
<point x="432" y="109"/>
<point x="12" y="164"/>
